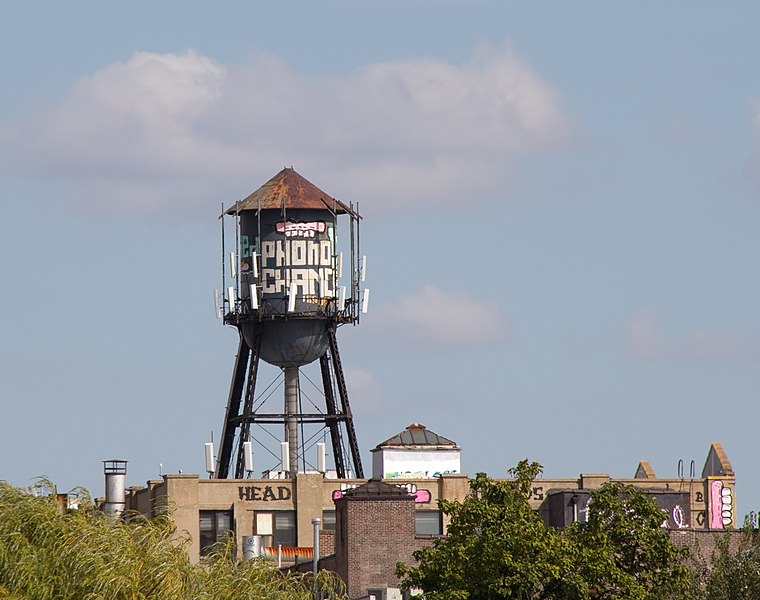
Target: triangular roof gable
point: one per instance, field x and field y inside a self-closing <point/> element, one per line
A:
<point x="717" y="463"/>
<point x="644" y="471"/>
<point x="292" y="190"/>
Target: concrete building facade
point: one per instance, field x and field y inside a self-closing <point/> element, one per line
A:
<point x="399" y="514"/>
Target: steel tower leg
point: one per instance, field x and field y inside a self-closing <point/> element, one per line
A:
<point x="233" y="408"/>
<point x="250" y="390"/>
<point x="332" y="413"/>
<point x="343" y="391"/>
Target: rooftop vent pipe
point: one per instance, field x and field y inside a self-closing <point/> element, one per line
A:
<point x="115" y="471"/>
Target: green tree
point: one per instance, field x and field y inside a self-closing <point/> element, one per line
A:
<point x="733" y="569"/>
<point x="623" y="552"/>
<point x="80" y="554"/>
<point x="498" y="547"/>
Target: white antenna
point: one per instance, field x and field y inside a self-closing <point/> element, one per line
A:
<point x="292" y="297"/>
<point x="342" y="298"/>
<point x="364" y="268"/>
<point x="233" y="265"/>
<point x="321" y="457"/>
<point x="340" y="265"/>
<point x="209" y="447"/>
<point x="285" y="456"/>
<point x="232" y="298"/>
<point x="248" y="457"/>
<point x="365" y="301"/>
<point x="254" y="297"/>
<point x="217" y="308"/>
<point x="254" y="260"/>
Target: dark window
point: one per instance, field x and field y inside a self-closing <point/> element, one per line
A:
<point x="328" y="520"/>
<point x="280" y="524"/>
<point x="285" y="528"/>
<point x="214" y="526"/>
<point x="428" y="522"/>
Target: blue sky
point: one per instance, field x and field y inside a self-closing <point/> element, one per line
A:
<point x="561" y="203"/>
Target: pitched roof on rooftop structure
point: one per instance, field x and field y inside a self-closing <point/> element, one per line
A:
<point x="417" y="434"/>
<point x="376" y="488"/>
<point x="291" y="190"/>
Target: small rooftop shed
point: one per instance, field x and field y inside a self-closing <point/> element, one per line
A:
<point x="415" y="453"/>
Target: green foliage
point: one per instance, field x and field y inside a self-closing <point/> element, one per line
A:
<point x="83" y="555"/>
<point x="624" y="552"/>
<point x="497" y="546"/>
<point x="733" y="571"/>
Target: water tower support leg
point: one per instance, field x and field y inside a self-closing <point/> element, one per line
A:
<point x="233" y="409"/>
<point x="250" y="391"/>
<point x="343" y="391"/>
<point x="332" y="423"/>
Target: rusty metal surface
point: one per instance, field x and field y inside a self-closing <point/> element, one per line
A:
<point x="294" y="191"/>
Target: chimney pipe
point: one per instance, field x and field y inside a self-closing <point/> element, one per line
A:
<point x="115" y="471"/>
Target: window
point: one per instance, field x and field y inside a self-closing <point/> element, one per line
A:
<point x="285" y="528"/>
<point x="328" y="520"/>
<point x="428" y="522"/>
<point x="280" y="524"/>
<point x="214" y="526"/>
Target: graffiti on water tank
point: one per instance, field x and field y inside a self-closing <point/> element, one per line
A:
<point x="305" y="230"/>
<point x="306" y="263"/>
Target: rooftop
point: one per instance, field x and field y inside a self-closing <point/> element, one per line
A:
<point x="288" y="189"/>
<point x="417" y="434"/>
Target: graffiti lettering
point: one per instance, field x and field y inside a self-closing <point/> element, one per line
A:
<point x="679" y="517"/>
<point x="253" y="492"/>
<point x="422" y="496"/>
<point x="537" y="493"/>
<point x="726" y="501"/>
<point x="415" y="474"/>
<point x="410" y="488"/>
<point x="344" y="487"/>
<point x="298" y="252"/>
<point x="293" y="229"/>
<point x="246" y="248"/>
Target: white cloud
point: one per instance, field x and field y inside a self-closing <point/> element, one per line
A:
<point x="443" y="317"/>
<point x="647" y="339"/>
<point x="415" y="131"/>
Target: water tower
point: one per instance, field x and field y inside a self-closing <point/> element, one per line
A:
<point x="292" y="281"/>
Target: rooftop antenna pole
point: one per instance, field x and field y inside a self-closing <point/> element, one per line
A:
<point x="221" y="220"/>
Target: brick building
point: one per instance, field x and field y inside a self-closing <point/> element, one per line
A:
<point x="370" y="525"/>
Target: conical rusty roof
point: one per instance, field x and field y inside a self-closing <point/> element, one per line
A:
<point x="290" y="189"/>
